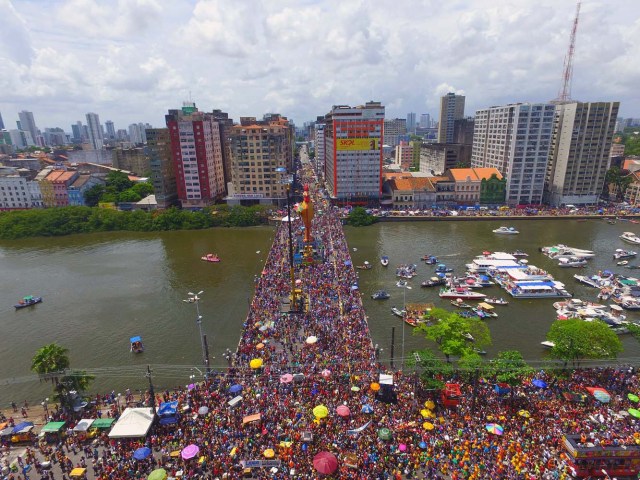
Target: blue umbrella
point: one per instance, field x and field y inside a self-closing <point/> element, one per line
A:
<point x="539" y="383"/>
<point x="235" y="388"/>
<point x="142" y="453"/>
<point x="422" y="445"/>
<point x="367" y="408"/>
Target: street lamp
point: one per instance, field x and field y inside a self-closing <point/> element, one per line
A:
<point x="288" y="180"/>
<point x="195" y="298"/>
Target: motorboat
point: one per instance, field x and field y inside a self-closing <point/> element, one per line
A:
<point x="506" y="231"/>
<point x="210" y="257"/>
<point x="496" y="301"/>
<point x="433" y="282"/>
<point x="547" y="344"/>
<point x="380" y="295"/>
<point x="575" y="304"/>
<point x="622" y="263"/>
<point x="365" y="266"/>
<point x="397" y="312"/>
<point x="136" y="344"/>
<point x="442" y="268"/>
<point x="519" y="254"/>
<point x="406" y="271"/>
<point x="587" y="281"/>
<point x="572" y="262"/>
<point x="630" y="237"/>
<point x="458" y="303"/>
<point x="621" y="254"/>
<point x="402" y="283"/>
<point x="384" y="260"/>
<point x="560" y="251"/>
<point x="430" y="259"/>
<point x="484" y="310"/>
<point x="27" y="301"/>
<point x="537" y="289"/>
<point x="461" y="292"/>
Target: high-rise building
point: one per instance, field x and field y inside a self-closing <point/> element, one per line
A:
<point x="162" y="168"/>
<point x="1" y="122"/>
<point x="319" y="147"/>
<point x="395" y="130"/>
<point x="111" y="131"/>
<point x="425" y="120"/>
<point x="225" y="124"/>
<point x="404" y="155"/>
<point x="135" y="134"/>
<point x="516" y="139"/>
<point x="95" y="131"/>
<point x="580" y="152"/>
<point x="28" y="123"/>
<point x="133" y="160"/>
<point x="76" y="132"/>
<point x="197" y="156"/>
<point x="411" y="122"/>
<point x="451" y="109"/>
<point x="54" y="137"/>
<point x="353" y="152"/>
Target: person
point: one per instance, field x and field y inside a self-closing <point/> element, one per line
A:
<point x="14" y="406"/>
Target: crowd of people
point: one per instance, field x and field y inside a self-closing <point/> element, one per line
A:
<point x="289" y="364"/>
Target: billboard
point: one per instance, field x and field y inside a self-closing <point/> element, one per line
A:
<point x="357" y="144"/>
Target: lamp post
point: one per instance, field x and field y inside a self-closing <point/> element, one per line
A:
<point x="288" y="182"/>
<point x="195" y="298"/>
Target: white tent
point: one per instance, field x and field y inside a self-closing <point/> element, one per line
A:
<point x="83" y="425"/>
<point x="134" y="422"/>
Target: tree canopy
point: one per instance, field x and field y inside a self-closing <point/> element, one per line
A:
<point x="50" y="360"/>
<point x="358" y="217"/>
<point x="509" y="367"/>
<point x="576" y="340"/>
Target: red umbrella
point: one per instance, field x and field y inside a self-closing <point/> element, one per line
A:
<point x="343" y="411"/>
<point x="325" y="463"/>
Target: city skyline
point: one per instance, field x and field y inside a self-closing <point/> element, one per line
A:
<point x="299" y="58"/>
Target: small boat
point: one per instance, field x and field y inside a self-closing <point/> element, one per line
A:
<point x="430" y="259"/>
<point x="633" y="267"/>
<point x="622" y="263"/>
<point x="458" y="303"/>
<point x="547" y="344"/>
<point x="397" y="312"/>
<point x="519" y="254"/>
<point x="433" y="282"/>
<point x="506" y="231"/>
<point x="380" y="295"/>
<point x="384" y="260"/>
<point x="210" y="257"/>
<point x="442" y="268"/>
<point x="496" y="301"/>
<point x="463" y="293"/>
<point x="572" y="262"/>
<point x="485" y="310"/>
<point x="365" y="266"/>
<point x="401" y="283"/>
<point x="587" y="281"/>
<point x="621" y="254"/>
<point x="27" y="301"/>
<point x="136" y="344"/>
<point x="630" y="237"/>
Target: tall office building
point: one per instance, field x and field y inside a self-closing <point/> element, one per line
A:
<point x="395" y="130"/>
<point x="163" y="175"/>
<point x="111" y="131"/>
<point x="411" y="122"/>
<point x="225" y="124"/>
<point x="28" y="123"/>
<point x="319" y="147"/>
<point x="95" y="131"/>
<point x="451" y="109"/>
<point x="425" y="120"/>
<point x="197" y="156"/>
<point x="76" y="132"/>
<point x="516" y="139"/>
<point x="1" y="122"/>
<point x="580" y="152"/>
<point x="353" y="152"/>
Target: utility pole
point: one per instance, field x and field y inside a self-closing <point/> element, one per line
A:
<point x="206" y="354"/>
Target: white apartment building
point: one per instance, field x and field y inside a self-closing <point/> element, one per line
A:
<point x="516" y="139"/>
<point x="451" y="109"/>
<point x="17" y="192"/>
<point x="319" y="147"/>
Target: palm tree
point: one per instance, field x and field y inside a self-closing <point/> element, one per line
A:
<point x="50" y="360"/>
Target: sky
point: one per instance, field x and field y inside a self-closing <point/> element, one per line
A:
<point x="132" y="60"/>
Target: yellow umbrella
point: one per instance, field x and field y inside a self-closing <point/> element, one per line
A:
<point x="175" y="453"/>
<point x="524" y="413"/>
<point x="429" y="404"/>
<point x="255" y="363"/>
<point x="426" y="413"/>
<point x="374" y="386"/>
<point x="320" y="411"/>
<point x="269" y="453"/>
<point x="428" y="426"/>
<point x="285" y="444"/>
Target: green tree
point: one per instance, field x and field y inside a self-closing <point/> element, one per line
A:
<point x="358" y="217"/>
<point x="129" y="195"/>
<point x="509" y="367"/>
<point x="454" y="334"/>
<point x="471" y="364"/>
<point x="617" y="177"/>
<point x="143" y="189"/>
<point x="576" y="340"/>
<point x="49" y="361"/>
<point x="118" y="181"/>
<point x="93" y="195"/>
<point x="634" y="329"/>
<point x="433" y="370"/>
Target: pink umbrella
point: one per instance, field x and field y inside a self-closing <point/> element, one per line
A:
<point x="402" y="447"/>
<point x="343" y="411"/>
<point x="325" y="373"/>
<point x="190" y="451"/>
<point x="286" y="378"/>
<point x="325" y="463"/>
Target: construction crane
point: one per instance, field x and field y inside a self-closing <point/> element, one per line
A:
<point x="567" y="72"/>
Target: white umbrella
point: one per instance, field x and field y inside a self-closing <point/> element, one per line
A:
<point x="203" y="410"/>
<point x="311" y="340"/>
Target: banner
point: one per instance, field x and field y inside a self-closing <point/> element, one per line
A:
<point x="357" y="144"/>
<point x="359" y="429"/>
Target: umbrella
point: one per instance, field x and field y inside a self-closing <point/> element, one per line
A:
<point x="367" y="408"/>
<point x="601" y="396"/>
<point x="311" y="340"/>
<point x="286" y="378"/>
<point x="428" y="426"/>
<point x="384" y="434"/>
<point x="524" y="413"/>
<point x="255" y="363"/>
<point x="426" y="413"/>
<point x="269" y="453"/>
<point x="343" y="411"/>
<point x="235" y="388"/>
<point x="494" y="428"/>
<point x="422" y="445"/>
<point x="374" y="386"/>
<point x="260" y="346"/>
<point x="142" y="453"/>
<point x="320" y="411"/>
<point x="633" y="397"/>
<point x="429" y="404"/>
<point x="325" y="463"/>
<point x="191" y="386"/>
<point x="203" y="410"/>
<point x="325" y="373"/>
<point x="158" y="474"/>
<point x="402" y="447"/>
<point x="634" y="412"/>
<point x="174" y="454"/>
<point x="355" y="388"/>
<point x="190" y="451"/>
<point x="539" y="383"/>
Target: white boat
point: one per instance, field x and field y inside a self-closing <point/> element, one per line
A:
<point x="622" y="263"/>
<point x="384" y="260"/>
<point x="496" y="301"/>
<point x="563" y="251"/>
<point x="547" y="344"/>
<point x="401" y="284"/>
<point x="587" y="281"/>
<point x="619" y="254"/>
<point x="463" y="293"/>
<point x="538" y="289"/>
<point x="572" y="262"/>
<point x="397" y="312"/>
<point x="506" y="231"/>
<point x="630" y="237"/>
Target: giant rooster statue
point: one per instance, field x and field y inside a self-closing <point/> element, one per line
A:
<point x="305" y="209"/>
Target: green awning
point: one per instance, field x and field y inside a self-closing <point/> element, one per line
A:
<point x="53" y="427"/>
<point x="103" y="422"/>
<point x="627" y="281"/>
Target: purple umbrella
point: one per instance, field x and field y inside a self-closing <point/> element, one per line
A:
<point x="539" y="383"/>
<point x="190" y="451"/>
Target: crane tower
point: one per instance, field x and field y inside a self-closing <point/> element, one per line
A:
<point x="567" y="71"/>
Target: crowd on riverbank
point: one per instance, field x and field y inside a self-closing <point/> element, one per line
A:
<point x="287" y="366"/>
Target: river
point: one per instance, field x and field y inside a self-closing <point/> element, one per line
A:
<point x="100" y="289"/>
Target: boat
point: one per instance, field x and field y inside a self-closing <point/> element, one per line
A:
<point x="397" y="312"/>
<point x="519" y="254"/>
<point x="430" y="259"/>
<point x="460" y="292"/>
<point x="406" y="271"/>
<point x="496" y="301"/>
<point x="380" y="295"/>
<point x="547" y="344"/>
<point x="630" y="237"/>
<point x="621" y="254"/>
<point x="572" y="262"/>
<point x="538" y="289"/>
<point x="587" y="280"/>
<point x="442" y="268"/>
<point x="433" y="282"/>
<point x="384" y="260"/>
<point x="365" y="266"/>
<point x="484" y="310"/>
<point x="210" y="257"/>
<point x="27" y="301"/>
<point x="136" y="344"/>
<point x="458" y="303"/>
<point x="560" y="251"/>
<point x="622" y="263"/>
<point x="506" y="231"/>
<point x="401" y="283"/>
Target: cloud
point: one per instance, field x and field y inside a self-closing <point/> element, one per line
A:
<point x="15" y="41"/>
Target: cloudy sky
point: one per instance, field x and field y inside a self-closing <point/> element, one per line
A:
<point x="132" y="60"/>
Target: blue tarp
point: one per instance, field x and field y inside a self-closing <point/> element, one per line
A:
<point x="142" y="453"/>
<point x="535" y="284"/>
<point x="168" y="408"/>
<point x="168" y="420"/>
<point x="135" y="339"/>
<point x="22" y="426"/>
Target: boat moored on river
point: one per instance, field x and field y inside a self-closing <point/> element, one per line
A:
<point x="27" y="301"/>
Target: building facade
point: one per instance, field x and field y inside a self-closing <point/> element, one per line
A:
<point x="319" y="149"/>
<point x="354" y="153"/>
<point x="411" y="122"/>
<point x="516" y="139"/>
<point x="28" y="123"/>
<point x="451" y="109"/>
<point x="394" y="130"/>
<point x="225" y="123"/>
<point x="197" y="156"/>
<point x="163" y="175"/>
<point x="469" y="184"/>
<point x="14" y="192"/>
<point x="404" y="156"/>
<point x="580" y="154"/>
<point x="436" y="158"/>
<point x="134" y="160"/>
<point x="79" y="186"/>
<point x="96" y="139"/>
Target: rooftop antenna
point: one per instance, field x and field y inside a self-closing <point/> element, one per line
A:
<point x="567" y="72"/>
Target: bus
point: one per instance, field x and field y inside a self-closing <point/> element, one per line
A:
<point x="601" y="461"/>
